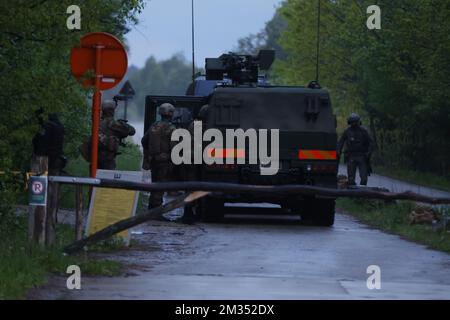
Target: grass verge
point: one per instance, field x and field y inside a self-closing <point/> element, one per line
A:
<point x="23" y="266"/>
<point x="393" y="218"/>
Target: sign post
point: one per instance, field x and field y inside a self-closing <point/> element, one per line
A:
<point x="105" y="56"/>
<point x="38" y="191"/>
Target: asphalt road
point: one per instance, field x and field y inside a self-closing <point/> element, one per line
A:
<point x="266" y="257"/>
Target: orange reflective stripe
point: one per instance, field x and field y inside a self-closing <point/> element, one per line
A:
<point x="317" y="155"/>
<point x="226" y="153"/>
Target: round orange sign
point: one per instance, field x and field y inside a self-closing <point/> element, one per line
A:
<point x="101" y="55"/>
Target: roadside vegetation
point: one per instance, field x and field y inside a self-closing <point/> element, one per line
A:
<point x="394" y="218"/>
<point x="385" y="75"/>
<point x="23" y="266"/>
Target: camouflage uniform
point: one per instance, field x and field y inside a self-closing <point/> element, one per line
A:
<point x="110" y="135"/>
<point x="192" y="172"/>
<point x="359" y="146"/>
<point x="157" y="147"/>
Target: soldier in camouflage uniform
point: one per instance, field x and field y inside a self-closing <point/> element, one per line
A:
<point x="157" y="147"/>
<point x="359" y="146"/>
<point x="192" y="171"/>
<point x="111" y="133"/>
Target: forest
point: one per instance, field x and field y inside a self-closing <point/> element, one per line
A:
<point x="396" y="77"/>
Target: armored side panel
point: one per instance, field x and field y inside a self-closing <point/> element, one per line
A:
<point x="307" y="128"/>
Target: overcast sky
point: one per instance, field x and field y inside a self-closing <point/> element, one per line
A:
<point x="165" y="27"/>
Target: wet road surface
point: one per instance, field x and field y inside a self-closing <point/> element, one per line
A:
<point x="265" y="257"/>
<point x="394" y="185"/>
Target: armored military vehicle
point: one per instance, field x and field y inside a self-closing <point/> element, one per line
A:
<point x="238" y="97"/>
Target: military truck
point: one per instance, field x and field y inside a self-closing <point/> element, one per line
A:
<point x="238" y="97"/>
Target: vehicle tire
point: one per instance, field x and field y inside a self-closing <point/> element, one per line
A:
<point x="318" y="212"/>
<point x="212" y="210"/>
<point x="323" y="212"/>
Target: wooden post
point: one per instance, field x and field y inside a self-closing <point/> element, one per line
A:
<point x="37" y="214"/>
<point x="52" y="211"/>
<point x="79" y="216"/>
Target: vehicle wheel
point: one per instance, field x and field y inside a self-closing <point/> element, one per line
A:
<point x="323" y="213"/>
<point x="212" y="210"/>
<point x="319" y="212"/>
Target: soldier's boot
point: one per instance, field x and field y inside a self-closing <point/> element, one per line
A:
<point x="351" y="172"/>
<point x="155" y="202"/>
<point x="188" y="216"/>
<point x="363" y="172"/>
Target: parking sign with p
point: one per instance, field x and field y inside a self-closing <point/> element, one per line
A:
<point x="38" y="190"/>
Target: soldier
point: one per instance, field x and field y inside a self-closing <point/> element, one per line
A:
<point x="192" y="171"/>
<point x="50" y="143"/>
<point x="111" y="133"/>
<point x="157" y="147"/>
<point x="359" y="146"/>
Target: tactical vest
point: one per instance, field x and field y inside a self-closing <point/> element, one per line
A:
<point x="108" y="140"/>
<point x="357" y="140"/>
<point x="159" y="142"/>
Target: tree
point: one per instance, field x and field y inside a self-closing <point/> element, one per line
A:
<point x="265" y="39"/>
<point x="35" y="73"/>
<point x="167" y="77"/>
<point x="395" y="76"/>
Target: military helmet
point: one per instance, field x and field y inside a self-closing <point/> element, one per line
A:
<point x="108" y="105"/>
<point x="203" y="113"/>
<point x="354" y="118"/>
<point x="166" y="110"/>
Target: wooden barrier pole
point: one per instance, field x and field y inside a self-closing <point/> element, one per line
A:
<point x="222" y="187"/>
<point x="134" y="221"/>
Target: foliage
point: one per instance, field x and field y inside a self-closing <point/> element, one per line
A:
<point x="166" y="77"/>
<point x="23" y="267"/>
<point x="35" y="47"/>
<point x="396" y="76"/>
<point x="267" y="38"/>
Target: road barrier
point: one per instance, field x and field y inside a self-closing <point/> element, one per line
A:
<point x="198" y="189"/>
